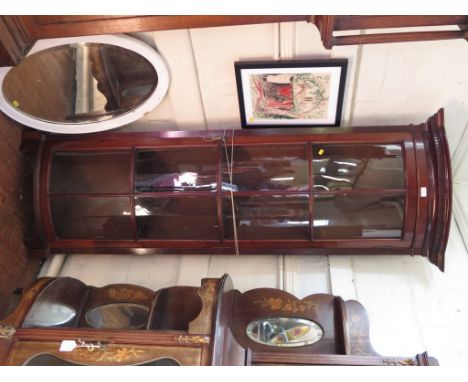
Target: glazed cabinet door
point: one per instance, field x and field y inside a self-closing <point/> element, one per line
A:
<point x="305" y="193"/>
<point x="362" y="192"/>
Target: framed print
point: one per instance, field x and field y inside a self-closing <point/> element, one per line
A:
<point x="291" y="93"/>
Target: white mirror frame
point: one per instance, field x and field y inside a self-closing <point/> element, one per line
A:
<point x="122" y="41"/>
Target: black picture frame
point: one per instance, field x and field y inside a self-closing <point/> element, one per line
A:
<point x="285" y="98"/>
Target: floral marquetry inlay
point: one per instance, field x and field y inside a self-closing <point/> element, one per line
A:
<point x="400" y="362"/>
<point x="193" y="340"/>
<point x="126" y="294"/>
<point x="290" y="306"/>
<point x="111" y="354"/>
<point x="114" y="355"/>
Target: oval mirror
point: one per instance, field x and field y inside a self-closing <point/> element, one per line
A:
<point x="84" y="84"/>
<point x="121" y="315"/>
<point x="284" y="331"/>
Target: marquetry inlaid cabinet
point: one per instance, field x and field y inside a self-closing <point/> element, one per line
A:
<point x="360" y="190"/>
<point x="61" y="321"/>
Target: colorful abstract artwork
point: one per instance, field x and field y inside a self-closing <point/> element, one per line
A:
<point x="291" y="93"/>
<point x="290" y="96"/>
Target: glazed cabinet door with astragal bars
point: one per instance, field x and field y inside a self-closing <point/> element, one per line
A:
<point x="366" y="190"/>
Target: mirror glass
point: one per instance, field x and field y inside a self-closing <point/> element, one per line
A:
<point x="284" y="331"/>
<point x="80" y="83"/>
<point x="50" y="314"/>
<point x="120" y="315"/>
<point x="59" y="304"/>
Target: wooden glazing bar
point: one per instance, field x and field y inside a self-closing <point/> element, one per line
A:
<point x="377" y="22"/>
<point x="380" y="38"/>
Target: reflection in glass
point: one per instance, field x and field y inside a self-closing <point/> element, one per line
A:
<point x="176" y="169"/>
<point x="118" y="316"/>
<point x="172" y="218"/>
<point x="268" y="217"/>
<point x="97" y="218"/>
<point x="358" y="216"/>
<point x="284" y="331"/>
<point x="360" y="166"/>
<point x="272" y="167"/>
<point x="80" y="83"/>
<point x="59" y="304"/>
<point x="90" y="172"/>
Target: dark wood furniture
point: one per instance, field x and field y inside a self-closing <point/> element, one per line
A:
<point x="362" y="190"/>
<point x="64" y="322"/>
<point x="18" y="33"/>
<point x="344" y="325"/>
<point x="121" y="324"/>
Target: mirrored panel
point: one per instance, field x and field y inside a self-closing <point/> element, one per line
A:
<point x="284" y="331"/>
<point x="59" y="304"/>
<point x="267" y="168"/>
<point x="267" y="217"/>
<point x="80" y="83"/>
<point x="48" y="314"/>
<point x="176" y="169"/>
<point x="90" y="172"/>
<point x="120" y="315"/>
<point x="96" y="218"/>
<point x="359" y="166"/>
<point x="349" y="216"/>
<point x="172" y="218"/>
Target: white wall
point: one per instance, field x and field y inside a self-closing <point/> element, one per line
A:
<point x="412" y="306"/>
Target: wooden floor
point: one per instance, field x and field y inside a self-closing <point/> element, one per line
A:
<point x="16" y="269"/>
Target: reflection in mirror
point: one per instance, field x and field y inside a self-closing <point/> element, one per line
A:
<point x="284" y="331"/>
<point x="51" y="314"/>
<point x="80" y="83"/>
<point x="118" y="316"/>
<point x="59" y="304"/>
<point x="53" y="360"/>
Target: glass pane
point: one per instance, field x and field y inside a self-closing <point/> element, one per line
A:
<point x="272" y="167"/>
<point x="189" y="218"/>
<point x="119" y="315"/>
<point x="59" y="304"/>
<point x="284" y="331"/>
<point x="95" y="218"/>
<point x="358" y="216"/>
<point x="177" y="169"/>
<point x="267" y="217"/>
<point x="80" y="83"/>
<point x="346" y="167"/>
<point x="53" y="360"/>
<point x="90" y="172"/>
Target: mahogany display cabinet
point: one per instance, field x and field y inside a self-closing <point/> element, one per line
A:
<point x="360" y="190"/>
<point x="61" y="321"/>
